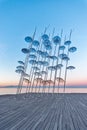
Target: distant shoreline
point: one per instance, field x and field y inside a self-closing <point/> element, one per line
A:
<point x="84" y="86"/>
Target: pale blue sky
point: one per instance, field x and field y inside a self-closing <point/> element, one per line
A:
<point x="18" y="18"/>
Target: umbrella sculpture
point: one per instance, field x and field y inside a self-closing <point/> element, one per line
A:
<point x="44" y="62"/>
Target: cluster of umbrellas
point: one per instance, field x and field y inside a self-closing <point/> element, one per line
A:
<point x="46" y="63"/>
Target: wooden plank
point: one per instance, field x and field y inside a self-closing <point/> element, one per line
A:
<point x="43" y="112"/>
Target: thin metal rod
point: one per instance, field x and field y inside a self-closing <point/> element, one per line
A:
<point x="60" y="68"/>
<point x="50" y="60"/>
<point x="52" y="70"/>
<point x="25" y="67"/>
<point x="60" y="74"/>
<point x="67" y="63"/>
<point x="57" y="62"/>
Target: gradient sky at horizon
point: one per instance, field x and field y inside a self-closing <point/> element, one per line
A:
<point x="18" y="18"/>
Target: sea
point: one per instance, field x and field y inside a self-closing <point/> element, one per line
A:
<point x="73" y="89"/>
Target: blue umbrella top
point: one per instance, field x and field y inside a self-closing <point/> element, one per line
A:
<point x="19" y="71"/>
<point x="52" y="57"/>
<point x="46" y="42"/>
<point x="36" y="68"/>
<point x="40" y="62"/>
<point x="61" y="47"/>
<point x="59" y="66"/>
<point x="28" y="39"/>
<point x="35" y="43"/>
<point x="25" y="50"/>
<point x="66" y="58"/>
<point x="62" y="55"/>
<point x="48" y="47"/>
<point x="39" y="52"/>
<point x="67" y="42"/>
<point x="21" y="62"/>
<point x="72" y="49"/>
<point x="44" y="54"/>
<point x="45" y="63"/>
<point x="32" y="50"/>
<point x="43" y="72"/>
<point x="37" y="73"/>
<point x="56" y="40"/>
<point x="52" y="68"/>
<point x="32" y="62"/>
<point x="70" y="67"/>
<point x="45" y="37"/>
<point x="32" y="56"/>
<point x="20" y="67"/>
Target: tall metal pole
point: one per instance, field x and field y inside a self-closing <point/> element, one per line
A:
<point x="60" y="68"/>
<point x="67" y="63"/>
<point x="57" y="62"/>
<point x="25" y="67"/>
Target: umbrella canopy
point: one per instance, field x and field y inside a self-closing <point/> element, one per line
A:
<point x="26" y="80"/>
<point x="32" y="56"/>
<point x="59" y="79"/>
<point x="58" y="66"/>
<point x="45" y="37"/>
<point x="20" y="67"/>
<point x="25" y="50"/>
<point x="61" y="56"/>
<point x="50" y="81"/>
<point x="28" y="39"/>
<point x="35" y="43"/>
<point x="44" y="54"/>
<point x="32" y="62"/>
<point x="61" y="47"/>
<point x="19" y="71"/>
<point x="32" y="50"/>
<point x="48" y="47"/>
<point x="46" y="42"/>
<point x="70" y="67"/>
<point x="53" y="57"/>
<point x="72" y="49"/>
<point x="45" y="63"/>
<point x="39" y="52"/>
<point x="52" y="68"/>
<point x="36" y="68"/>
<point x="46" y="82"/>
<point x="40" y="62"/>
<point x="39" y="79"/>
<point x="26" y="75"/>
<point x="21" y="62"/>
<point x="67" y="42"/>
<point x="56" y="40"/>
<point x="37" y="73"/>
<point x="43" y="72"/>
<point x="66" y="58"/>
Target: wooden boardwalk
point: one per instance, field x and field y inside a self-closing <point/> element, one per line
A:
<point x="43" y="112"/>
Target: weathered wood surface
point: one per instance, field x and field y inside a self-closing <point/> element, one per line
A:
<point x="44" y="112"/>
